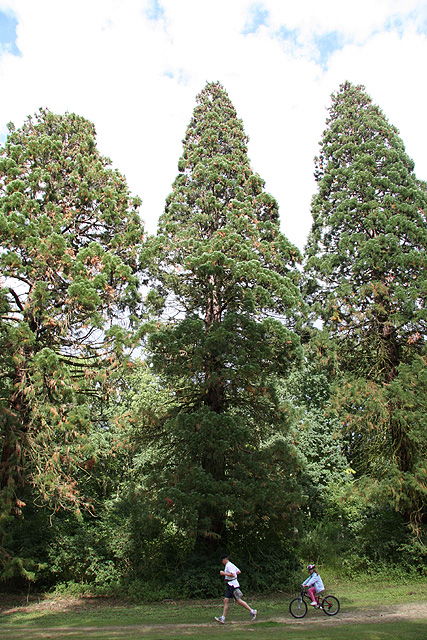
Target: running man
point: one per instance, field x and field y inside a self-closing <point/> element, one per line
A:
<point x="232" y="590"/>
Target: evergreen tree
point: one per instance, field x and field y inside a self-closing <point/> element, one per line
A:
<point x="70" y="239"/>
<point x="366" y="273"/>
<point x="317" y="435"/>
<point x="227" y="287"/>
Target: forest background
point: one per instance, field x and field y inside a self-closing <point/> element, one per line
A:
<point x="209" y="388"/>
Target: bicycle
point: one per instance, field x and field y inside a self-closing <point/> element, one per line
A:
<point x="298" y="606"/>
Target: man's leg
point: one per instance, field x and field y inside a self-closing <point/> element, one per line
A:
<point x="244" y="604"/>
<point x="221" y="619"/>
<point x="225" y="608"/>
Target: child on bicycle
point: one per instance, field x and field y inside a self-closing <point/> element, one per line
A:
<point x="315" y="584"/>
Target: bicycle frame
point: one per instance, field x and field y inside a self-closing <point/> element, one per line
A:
<point x="298" y="606"/>
<point x="319" y="599"/>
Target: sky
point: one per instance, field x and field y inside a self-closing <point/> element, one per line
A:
<point x="135" y="67"/>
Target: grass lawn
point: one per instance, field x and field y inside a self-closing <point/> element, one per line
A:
<point x="369" y="611"/>
<point x="263" y="631"/>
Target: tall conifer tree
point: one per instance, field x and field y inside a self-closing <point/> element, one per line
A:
<point x="70" y="239"/>
<point x="367" y="256"/>
<point x="225" y="273"/>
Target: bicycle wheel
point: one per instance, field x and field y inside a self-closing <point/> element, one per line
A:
<point x="298" y="608"/>
<point x="330" y="605"/>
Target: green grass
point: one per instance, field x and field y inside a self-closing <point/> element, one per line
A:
<point x="105" y="619"/>
<point x="261" y="631"/>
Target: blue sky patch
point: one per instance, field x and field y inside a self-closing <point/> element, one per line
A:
<point x="327" y="44"/>
<point x="398" y="23"/>
<point x="421" y="20"/>
<point x="288" y="35"/>
<point x="154" y="10"/>
<point x="395" y="23"/>
<point x="8" y="24"/>
<point x="180" y="76"/>
<point x="258" y="17"/>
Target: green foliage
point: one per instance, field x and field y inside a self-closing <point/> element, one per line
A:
<point x="130" y="478"/>
<point x="220" y="469"/>
<point x="70" y="239"/>
<point x="316" y="433"/>
<point x="150" y="525"/>
<point x="368" y="240"/>
<point x="366" y="280"/>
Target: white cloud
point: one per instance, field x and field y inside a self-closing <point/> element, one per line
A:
<point x="135" y="67"/>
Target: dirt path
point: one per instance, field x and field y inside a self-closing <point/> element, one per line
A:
<point x="411" y="611"/>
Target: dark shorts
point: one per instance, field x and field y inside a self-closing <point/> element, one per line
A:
<point x="233" y="592"/>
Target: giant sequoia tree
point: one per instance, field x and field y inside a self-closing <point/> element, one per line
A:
<point x="70" y="237"/>
<point x="367" y="256"/>
<point x="221" y="467"/>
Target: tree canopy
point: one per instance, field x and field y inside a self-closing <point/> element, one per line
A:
<point x="366" y="255"/>
<point x="209" y="389"/>
<point x="70" y="238"/>
<point x="226" y="287"/>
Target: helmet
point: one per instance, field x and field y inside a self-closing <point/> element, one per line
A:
<point x="310" y="567"/>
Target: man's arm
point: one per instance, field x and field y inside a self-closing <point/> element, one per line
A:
<point x="231" y="575"/>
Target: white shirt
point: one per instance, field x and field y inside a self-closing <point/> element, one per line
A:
<point x="231" y="568"/>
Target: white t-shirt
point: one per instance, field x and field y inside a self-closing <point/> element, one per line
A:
<point x="231" y="568"/>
